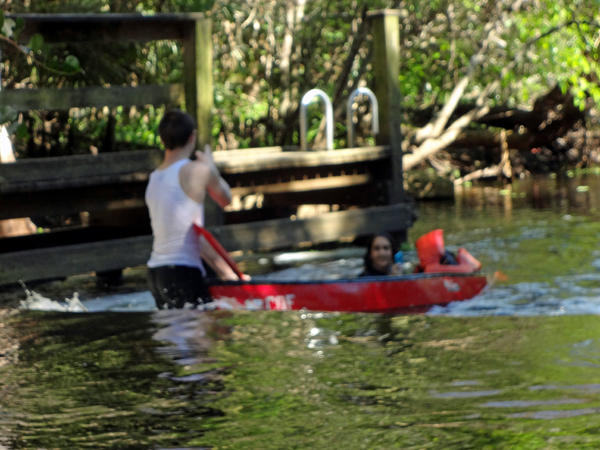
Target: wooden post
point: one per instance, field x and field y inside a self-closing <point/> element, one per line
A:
<point x="198" y="81"/>
<point x="385" y="26"/>
<point x="198" y="77"/>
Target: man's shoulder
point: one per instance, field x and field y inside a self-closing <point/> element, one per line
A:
<point x="194" y="177"/>
<point x="196" y="168"/>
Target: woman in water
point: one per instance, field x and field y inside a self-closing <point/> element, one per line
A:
<point x="379" y="258"/>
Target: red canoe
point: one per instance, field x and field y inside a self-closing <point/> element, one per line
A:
<point x="405" y="293"/>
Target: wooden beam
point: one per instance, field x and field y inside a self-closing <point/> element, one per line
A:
<point x="57" y="28"/>
<point x="281" y="233"/>
<point x="75" y="171"/>
<point x="72" y="201"/>
<point x="198" y="79"/>
<point x="285" y="175"/>
<point x="62" y="172"/>
<point x="92" y="97"/>
<point x="283" y="160"/>
<point x="71" y="184"/>
<point x="72" y="236"/>
<point x="358" y="195"/>
<point x="355" y="190"/>
<point x="47" y="263"/>
<point x="254" y="151"/>
<point x="304" y="185"/>
<point x="386" y="70"/>
<point x="108" y="181"/>
<point x="347" y="190"/>
<point x="115" y="254"/>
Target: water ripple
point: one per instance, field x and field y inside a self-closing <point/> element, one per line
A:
<point x="548" y="415"/>
<point x="530" y="403"/>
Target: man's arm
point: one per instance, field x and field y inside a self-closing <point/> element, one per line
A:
<point x="216" y="186"/>
<point x="215" y="261"/>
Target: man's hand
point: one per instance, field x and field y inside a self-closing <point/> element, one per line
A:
<point x="205" y="156"/>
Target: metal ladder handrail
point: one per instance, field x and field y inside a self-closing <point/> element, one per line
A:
<point x="306" y="100"/>
<point x="350" y="123"/>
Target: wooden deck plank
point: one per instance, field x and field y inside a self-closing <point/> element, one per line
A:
<point x="304" y="185"/>
<point x="92" y="97"/>
<point x="75" y="171"/>
<point x="109" y="181"/>
<point x="281" y="233"/>
<point x="356" y="195"/>
<point x="66" y="260"/>
<point x="72" y="201"/>
<point x="47" y="263"/>
<point x="122" y="167"/>
<point x="131" y="195"/>
<point x="105" y="27"/>
<point x="272" y="161"/>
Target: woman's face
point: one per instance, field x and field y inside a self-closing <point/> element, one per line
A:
<point x="381" y="254"/>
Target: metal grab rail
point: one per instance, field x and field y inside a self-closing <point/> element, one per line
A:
<point x="306" y="100"/>
<point x="350" y="123"/>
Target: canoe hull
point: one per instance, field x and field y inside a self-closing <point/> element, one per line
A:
<point x="408" y="293"/>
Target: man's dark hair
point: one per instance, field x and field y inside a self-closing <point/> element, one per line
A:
<point x="175" y="128"/>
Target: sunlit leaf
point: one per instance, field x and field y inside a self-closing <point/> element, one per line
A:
<point x="34" y="75"/>
<point x="72" y="63"/>
<point x="7" y="27"/>
<point x="36" y="43"/>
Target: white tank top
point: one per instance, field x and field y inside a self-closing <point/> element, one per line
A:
<point x="172" y="214"/>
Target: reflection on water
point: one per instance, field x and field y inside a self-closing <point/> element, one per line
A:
<point x="241" y="380"/>
<point x="467" y="394"/>
<point x="554" y="414"/>
<point x="527" y="404"/>
<point x="98" y="381"/>
<point x="514" y="368"/>
<point x="583" y="387"/>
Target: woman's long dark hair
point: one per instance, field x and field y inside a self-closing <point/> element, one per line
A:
<point x="368" y="263"/>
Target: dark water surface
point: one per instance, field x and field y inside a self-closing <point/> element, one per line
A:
<point x="517" y="367"/>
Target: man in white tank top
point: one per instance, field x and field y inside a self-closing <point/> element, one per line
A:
<point x="175" y="198"/>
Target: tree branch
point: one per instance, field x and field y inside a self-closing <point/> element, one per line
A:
<point x="436" y="126"/>
<point x="35" y="61"/>
<point x="433" y="142"/>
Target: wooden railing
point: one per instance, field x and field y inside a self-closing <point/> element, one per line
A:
<point x="92" y="97"/>
<point x="110" y="186"/>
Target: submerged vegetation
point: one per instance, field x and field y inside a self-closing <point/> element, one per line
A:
<point x="298" y="380"/>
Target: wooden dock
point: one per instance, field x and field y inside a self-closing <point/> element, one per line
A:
<point x="114" y="184"/>
<point x="363" y="186"/>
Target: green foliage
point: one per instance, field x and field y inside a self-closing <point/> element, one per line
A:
<point x="139" y="127"/>
<point x="268" y="54"/>
<point x="36" y="43"/>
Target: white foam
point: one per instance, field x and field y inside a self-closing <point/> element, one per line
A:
<point x="134" y="302"/>
<point x="35" y="301"/>
<point x="565" y="295"/>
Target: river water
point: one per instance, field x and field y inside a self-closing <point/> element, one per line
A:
<point x="516" y="367"/>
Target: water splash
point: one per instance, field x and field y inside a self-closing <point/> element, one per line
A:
<point x="37" y="302"/>
<point x="564" y="296"/>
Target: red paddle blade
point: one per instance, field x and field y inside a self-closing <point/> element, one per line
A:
<point x="218" y="248"/>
